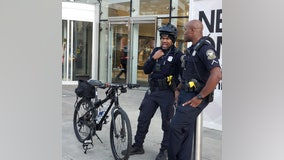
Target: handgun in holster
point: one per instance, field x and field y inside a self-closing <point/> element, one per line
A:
<point x="194" y="86"/>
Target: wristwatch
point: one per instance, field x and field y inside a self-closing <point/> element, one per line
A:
<point x="199" y="97"/>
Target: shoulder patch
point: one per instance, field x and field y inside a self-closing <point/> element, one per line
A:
<point x="210" y="54"/>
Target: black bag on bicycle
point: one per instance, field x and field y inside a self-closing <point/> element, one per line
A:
<point x="85" y="89"/>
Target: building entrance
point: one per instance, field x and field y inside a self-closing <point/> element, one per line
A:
<point x="131" y="41"/>
<point x="77" y="63"/>
<point x="78" y="41"/>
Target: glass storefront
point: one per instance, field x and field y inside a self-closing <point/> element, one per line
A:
<point x="78" y="41"/>
<point x="133" y="8"/>
<point x="154" y="7"/>
<point x="77" y="63"/>
<point x="128" y="31"/>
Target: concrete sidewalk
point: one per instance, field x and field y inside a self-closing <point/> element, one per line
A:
<point x="130" y="101"/>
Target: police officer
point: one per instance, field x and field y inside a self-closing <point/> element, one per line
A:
<point x="200" y="76"/>
<point x="163" y="67"/>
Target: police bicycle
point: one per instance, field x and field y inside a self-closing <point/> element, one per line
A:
<point x="89" y="116"/>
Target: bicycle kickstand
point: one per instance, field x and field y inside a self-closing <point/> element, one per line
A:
<point x="99" y="138"/>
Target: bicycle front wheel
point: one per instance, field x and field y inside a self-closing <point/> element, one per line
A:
<point x="120" y="135"/>
<point x="81" y="121"/>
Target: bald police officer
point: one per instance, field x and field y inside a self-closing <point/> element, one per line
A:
<point x="201" y="74"/>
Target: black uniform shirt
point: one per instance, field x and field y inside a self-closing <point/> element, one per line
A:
<point x="169" y="64"/>
<point x="198" y="66"/>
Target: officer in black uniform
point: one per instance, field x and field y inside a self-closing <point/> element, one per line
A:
<point x="201" y="74"/>
<point x="163" y="67"/>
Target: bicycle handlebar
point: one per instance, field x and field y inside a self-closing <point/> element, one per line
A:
<point x="133" y="86"/>
<point x="99" y="84"/>
<point x="119" y="85"/>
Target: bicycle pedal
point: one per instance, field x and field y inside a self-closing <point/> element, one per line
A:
<point x="88" y="141"/>
<point x="87" y="144"/>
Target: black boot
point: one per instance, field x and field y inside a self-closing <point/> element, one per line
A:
<point x="163" y="154"/>
<point x="134" y="150"/>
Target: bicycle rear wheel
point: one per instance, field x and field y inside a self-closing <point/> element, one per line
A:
<point x="82" y="122"/>
<point x="120" y="135"/>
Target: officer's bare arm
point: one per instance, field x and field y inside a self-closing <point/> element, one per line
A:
<point x="213" y="80"/>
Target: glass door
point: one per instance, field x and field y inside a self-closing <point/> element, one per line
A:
<point x="78" y="41"/>
<point x="118" y="51"/>
<point x="131" y="41"/>
<point x="143" y="40"/>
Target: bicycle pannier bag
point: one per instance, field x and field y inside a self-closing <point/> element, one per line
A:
<point x="85" y="89"/>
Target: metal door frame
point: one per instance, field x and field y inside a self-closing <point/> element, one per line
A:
<point x="132" y="58"/>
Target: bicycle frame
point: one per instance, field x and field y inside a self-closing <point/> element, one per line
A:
<point x="121" y="132"/>
<point x="112" y="95"/>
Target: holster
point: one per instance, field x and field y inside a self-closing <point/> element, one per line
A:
<point x="197" y="86"/>
<point x="173" y="85"/>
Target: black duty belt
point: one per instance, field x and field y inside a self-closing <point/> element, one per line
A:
<point x="159" y="84"/>
<point x="186" y="88"/>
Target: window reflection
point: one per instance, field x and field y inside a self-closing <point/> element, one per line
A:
<point x="82" y="48"/>
<point x="154" y="7"/>
<point x="118" y="8"/>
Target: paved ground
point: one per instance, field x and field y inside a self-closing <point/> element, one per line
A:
<point x="130" y="101"/>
